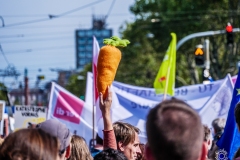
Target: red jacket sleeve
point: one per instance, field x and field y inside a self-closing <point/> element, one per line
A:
<point x="109" y="139"/>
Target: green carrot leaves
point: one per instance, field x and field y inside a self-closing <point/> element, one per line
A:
<point x="116" y="41"/>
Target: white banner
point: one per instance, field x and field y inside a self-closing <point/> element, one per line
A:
<point x="72" y="111"/>
<point x="131" y="103"/>
<point x="25" y="114"/>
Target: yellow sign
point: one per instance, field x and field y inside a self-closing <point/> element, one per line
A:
<point x="198" y="51"/>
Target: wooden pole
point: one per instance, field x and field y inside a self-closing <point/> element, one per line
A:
<point x="93" y="109"/>
<point x="167" y="80"/>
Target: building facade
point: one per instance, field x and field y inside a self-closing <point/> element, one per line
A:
<point x="84" y="44"/>
<point x="84" y="40"/>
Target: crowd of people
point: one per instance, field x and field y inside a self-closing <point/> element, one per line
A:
<point x="174" y="132"/>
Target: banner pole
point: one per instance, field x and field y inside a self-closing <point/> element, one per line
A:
<point x="93" y="89"/>
<point x="93" y="119"/>
<point x="166" y="87"/>
<point x="93" y="109"/>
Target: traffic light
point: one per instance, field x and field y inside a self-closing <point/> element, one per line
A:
<point x="199" y="56"/>
<point x="229" y="31"/>
<point x="41" y="77"/>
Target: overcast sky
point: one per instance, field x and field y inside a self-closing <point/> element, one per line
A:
<point x="31" y="40"/>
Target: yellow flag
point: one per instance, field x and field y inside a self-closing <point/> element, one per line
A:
<point x="166" y="75"/>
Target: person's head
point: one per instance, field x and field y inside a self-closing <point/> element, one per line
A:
<point x="237" y="115"/>
<point x="127" y="139"/>
<point x="79" y="149"/>
<point x="206" y="134"/>
<point x="29" y="144"/>
<point x="218" y="125"/>
<point x="207" y="138"/>
<point x="110" y="154"/>
<point x="59" y="130"/>
<point x="141" y="155"/>
<point x="174" y="131"/>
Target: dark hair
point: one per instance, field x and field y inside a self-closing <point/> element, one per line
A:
<point x="125" y="132"/>
<point x="237" y="114"/>
<point x="29" y="144"/>
<point x="206" y="133"/>
<point x="237" y="154"/>
<point x="218" y="125"/>
<point x="99" y="140"/>
<point x="141" y="155"/>
<point x="110" y="154"/>
<point x="174" y="131"/>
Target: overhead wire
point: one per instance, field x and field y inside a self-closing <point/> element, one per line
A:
<point x="53" y="16"/>
<point x="53" y="26"/>
<point x="4" y="54"/>
<point x="40" y="49"/>
<point x="33" y="35"/>
<point x="110" y="9"/>
<point x="36" y="40"/>
<point x="77" y="9"/>
<point x="40" y="65"/>
<point x="66" y="16"/>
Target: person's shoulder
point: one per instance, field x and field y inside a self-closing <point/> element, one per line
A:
<point x="95" y="151"/>
<point x="238" y="158"/>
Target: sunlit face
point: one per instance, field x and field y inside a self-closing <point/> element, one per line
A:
<point x="58" y="157"/>
<point x="132" y="150"/>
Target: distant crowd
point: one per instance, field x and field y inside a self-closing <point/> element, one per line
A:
<point x="174" y="132"/>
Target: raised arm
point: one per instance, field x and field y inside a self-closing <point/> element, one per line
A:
<point x="109" y="140"/>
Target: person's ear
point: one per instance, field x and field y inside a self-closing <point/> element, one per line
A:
<point x="68" y="151"/>
<point x="120" y="146"/>
<point x="148" y="153"/>
<point x="203" y="156"/>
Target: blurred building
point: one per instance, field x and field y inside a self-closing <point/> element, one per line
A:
<point x="84" y="40"/>
<point x="64" y="75"/>
<point x="36" y="97"/>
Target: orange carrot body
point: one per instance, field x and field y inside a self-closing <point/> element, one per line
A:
<point x="108" y="60"/>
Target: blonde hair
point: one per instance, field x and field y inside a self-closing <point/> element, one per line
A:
<point x="79" y="149"/>
<point x="1" y="141"/>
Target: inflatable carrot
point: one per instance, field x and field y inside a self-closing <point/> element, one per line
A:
<point x="108" y="61"/>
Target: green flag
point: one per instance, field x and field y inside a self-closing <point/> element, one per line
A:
<point x="166" y="75"/>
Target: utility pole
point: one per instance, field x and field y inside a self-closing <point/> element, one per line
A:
<point x="206" y="71"/>
<point x="26" y="89"/>
<point x="206" y="46"/>
<point x="203" y="34"/>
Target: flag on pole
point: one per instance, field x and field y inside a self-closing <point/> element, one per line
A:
<point x="94" y="68"/>
<point x="165" y="80"/>
<point x="70" y="110"/>
<point x="230" y="139"/>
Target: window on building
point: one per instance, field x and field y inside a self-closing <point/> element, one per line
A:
<point x="105" y="33"/>
<point x="81" y="33"/>
<point x="81" y="54"/>
<point x="81" y="48"/>
<point x="89" y="33"/>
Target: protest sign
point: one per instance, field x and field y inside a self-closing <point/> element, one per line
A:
<point x="28" y="114"/>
